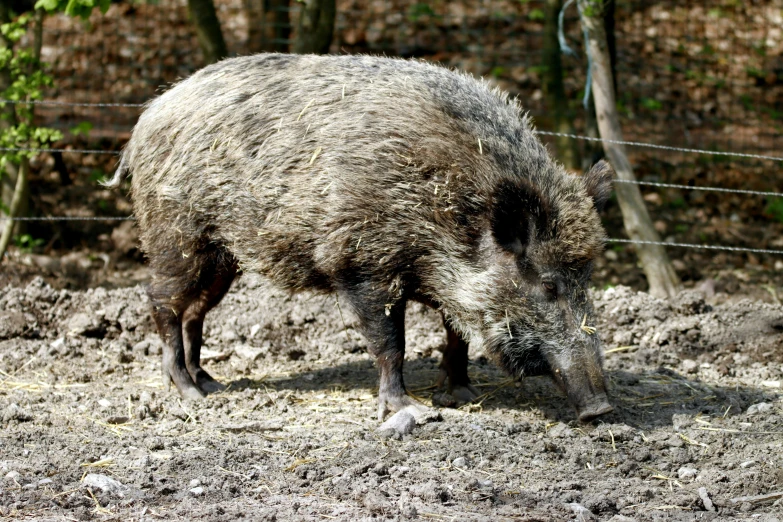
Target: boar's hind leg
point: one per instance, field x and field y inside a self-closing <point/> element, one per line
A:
<point x="215" y="280"/>
<point x="167" y="308"/>
<point x="454" y="367"/>
<point x="177" y="283"/>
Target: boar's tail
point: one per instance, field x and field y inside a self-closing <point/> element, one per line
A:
<point x="119" y="174"/>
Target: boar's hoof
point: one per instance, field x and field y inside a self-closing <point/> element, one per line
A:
<point x="212" y="386"/>
<point x="192" y="393"/>
<point x="207" y="383"/>
<point x="593" y="411"/>
<point x="185" y="385"/>
<point x="465" y="393"/>
<point x="456" y="397"/>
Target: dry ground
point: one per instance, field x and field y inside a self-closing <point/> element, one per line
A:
<point x="89" y="433"/>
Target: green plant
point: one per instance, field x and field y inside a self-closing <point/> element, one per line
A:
<point x="22" y="79"/>
<point x="26" y="81"/>
<point x="678" y="203"/>
<point x="651" y="104"/>
<point x="97" y="176"/>
<point x="536" y="14"/>
<point x="82" y="129"/>
<point x="80" y="8"/>
<point x="497" y="71"/>
<point x="26" y="243"/>
<point x="774" y="209"/>
<point x="417" y="11"/>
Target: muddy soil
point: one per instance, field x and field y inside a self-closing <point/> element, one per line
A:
<point x="88" y="432"/>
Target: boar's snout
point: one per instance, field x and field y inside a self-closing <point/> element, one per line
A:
<point x="584" y="385"/>
<point x="596" y="406"/>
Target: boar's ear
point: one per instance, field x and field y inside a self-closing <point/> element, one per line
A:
<point x="518" y="211"/>
<point x="598" y="183"/>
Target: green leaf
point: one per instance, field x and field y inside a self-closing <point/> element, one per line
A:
<point x="48" y="5"/>
<point x="82" y="128"/>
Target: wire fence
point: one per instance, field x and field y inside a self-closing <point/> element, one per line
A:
<point x="669" y="47"/>
<point x="544" y="133"/>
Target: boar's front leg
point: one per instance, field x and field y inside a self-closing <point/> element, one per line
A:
<point x="454" y="368"/>
<point x="384" y="328"/>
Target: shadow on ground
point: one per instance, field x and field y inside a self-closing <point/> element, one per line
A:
<point x="643" y="400"/>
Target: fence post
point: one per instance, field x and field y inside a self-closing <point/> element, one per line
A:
<point x="662" y="280"/>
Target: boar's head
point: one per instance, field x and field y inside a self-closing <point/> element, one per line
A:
<point x="546" y="234"/>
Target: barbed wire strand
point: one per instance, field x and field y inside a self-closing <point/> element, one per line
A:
<point x="68" y="104"/>
<point x="610" y="240"/>
<point x="661" y="147"/>
<point x="544" y="133"/>
<point x="81" y="151"/>
<point x="699" y="187"/>
<point x="693" y="245"/>
<point x="69" y="218"/>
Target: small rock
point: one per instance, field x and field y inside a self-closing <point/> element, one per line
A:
<point x="12" y="475"/>
<point x="44" y="482"/>
<point x="443" y="400"/>
<point x="228" y="335"/>
<point x="213" y="355"/>
<point x="581" y="512"/>
<point x="762" y="407"/>
<point x="705" y="499"/>
<point x="748" y="464"/>
<point x="686" y="472"/>
<point x="690" y="366"/>
<point x="197" y="491"/>
<point x="779" y="265"/>
<point x="401" y="423"/>
<point x="142" y="348"/>
<point x="560" y="431"/>
<point x="105" y="484"/>
<point x="611" y="255"/>
<point x="681" y="421"/>
<point x="771" y="384"/>
<point x="254" y="330"/>
<point x="84" y="324"/>
<point x="376" y="502"/>
<point x="104" y="403"/>
<point x="248" y="352"/>
<point x="459" y="462"/>
<point x="621" y="518"/>
<point x="14" y="413"/>
<point x="195" y="483"/>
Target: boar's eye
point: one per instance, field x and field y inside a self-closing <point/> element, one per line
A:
<point x="549" y="286"/>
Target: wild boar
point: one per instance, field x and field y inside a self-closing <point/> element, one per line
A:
<point x="384" y="180"/>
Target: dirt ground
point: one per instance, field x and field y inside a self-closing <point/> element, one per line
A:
<point x="88" y="433"/>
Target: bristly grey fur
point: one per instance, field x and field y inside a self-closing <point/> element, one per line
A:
<point x="304" y="167"/>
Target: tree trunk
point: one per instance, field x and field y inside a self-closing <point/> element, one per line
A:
<point x="9" y="172"/>
<point x="592" y="149"/>
<point x="210" y="36"/>
<point x="316" y="25"/>
<point x="20" y="196"/>
<point x="662" y="279"/>
<point x="560" y="115"/>
<point x="269" y="25"/>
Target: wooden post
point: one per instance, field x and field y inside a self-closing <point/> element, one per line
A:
<point x="662" y="279"/>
